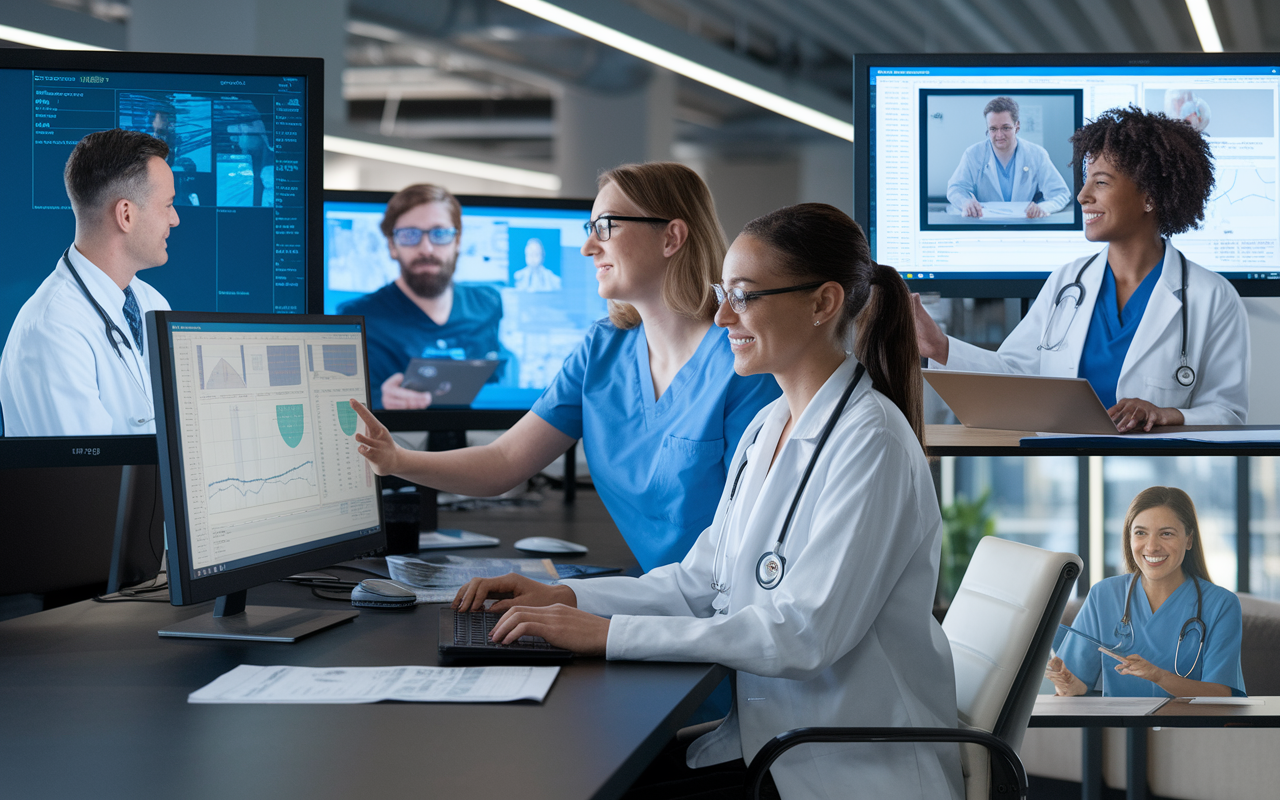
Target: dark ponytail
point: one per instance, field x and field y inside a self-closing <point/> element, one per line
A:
<point x="820" y="242"/>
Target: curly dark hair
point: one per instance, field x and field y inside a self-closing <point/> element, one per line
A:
<point x="1168" y="159"/>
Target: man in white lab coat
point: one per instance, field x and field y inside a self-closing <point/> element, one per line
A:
<point x="1004" y="168"/>
<point x="75" y="362"/>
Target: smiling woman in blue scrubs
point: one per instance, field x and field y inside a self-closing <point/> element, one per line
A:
<point x="1173" y="632"/>
<point x="651" y="391"/>
<point x="1162" y="340"/>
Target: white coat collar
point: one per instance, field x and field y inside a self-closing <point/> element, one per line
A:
<point x="101" y="286"/>
<point x="1163" y="306"/>
<point x="815" y="415"/>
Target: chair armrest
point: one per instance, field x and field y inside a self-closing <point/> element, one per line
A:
<point x="1007" y="773"/>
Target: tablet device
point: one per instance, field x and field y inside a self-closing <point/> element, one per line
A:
<point x="450" y="382"/>
<point x="1022" y="402"/>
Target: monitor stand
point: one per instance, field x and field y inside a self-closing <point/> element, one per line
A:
<point x="232" y="619"/>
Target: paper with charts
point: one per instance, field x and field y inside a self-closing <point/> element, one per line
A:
<point x="268" y="439"/>
<point x="250" y="684"/>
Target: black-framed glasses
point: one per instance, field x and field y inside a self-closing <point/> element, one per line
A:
<point x="409" y="237"/>
<point x="738" y="299"/>
<point x="602" y="225"/>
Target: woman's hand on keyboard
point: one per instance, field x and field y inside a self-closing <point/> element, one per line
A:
<point x="511" y="590"/>
<point x="561" y="625"/>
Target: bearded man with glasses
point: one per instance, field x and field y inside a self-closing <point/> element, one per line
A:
<point x="423" y="313"/>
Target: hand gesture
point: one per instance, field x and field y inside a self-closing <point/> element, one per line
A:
<point x="512" y="590"/>
<point x="972" y="208"/>
<point x="561" y="625"/>
<point x="1065" y="684"/>
<point x="1035" y="211"/>
<point x="376" y="444"/>
<point x="929" y="337"/>
<point x="1138" y="667"/>
<point x="397" y="398"/>
<point x="1131" y="412"/>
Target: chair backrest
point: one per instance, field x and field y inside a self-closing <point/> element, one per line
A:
<point x="1001" y="626"/>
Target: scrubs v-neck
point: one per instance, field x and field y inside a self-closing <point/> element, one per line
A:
<point x="659" y="464"/>
<point x="1110" y="334"/>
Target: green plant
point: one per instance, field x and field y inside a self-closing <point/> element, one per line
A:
<point x="965" y="522"/>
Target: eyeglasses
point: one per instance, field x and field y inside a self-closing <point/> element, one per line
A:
<point x="408" y="237"/>
<point x="738" y="299"/>
<point x="1000" y="129"/>
<point x="602" y="225"/>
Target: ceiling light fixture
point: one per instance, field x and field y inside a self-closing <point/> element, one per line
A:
<point x="686" y="67"/>
<point x="1206" y="28"/>
<point x="450" y="164"/>
<point x="44" y="41"/>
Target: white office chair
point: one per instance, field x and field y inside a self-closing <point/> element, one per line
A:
<point x="1001" y="626"/>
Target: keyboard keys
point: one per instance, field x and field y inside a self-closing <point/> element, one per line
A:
<point x="471" y="629"/>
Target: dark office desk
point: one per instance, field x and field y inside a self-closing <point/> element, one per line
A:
<point x="957" y="440"/>
<point x="1177" y="713"/>
<point x="94" y="704"/>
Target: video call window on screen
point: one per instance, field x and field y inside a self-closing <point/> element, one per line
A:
<point x="529" y="256"/>
<point x="947" y="141"/>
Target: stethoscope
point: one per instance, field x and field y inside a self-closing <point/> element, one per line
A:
<point x="1125" y="629"/>
<point x="1075" y="290"/>
<point x="772" y="565"/>
<point x="112" y="331"/>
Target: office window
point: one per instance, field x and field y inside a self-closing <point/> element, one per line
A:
<point x="1264" y="526"/>
<point x="1211" y="483"/>
<point x="1033" y="499"/>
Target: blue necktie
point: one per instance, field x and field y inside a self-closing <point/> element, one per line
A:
<point x="133" y="314"/>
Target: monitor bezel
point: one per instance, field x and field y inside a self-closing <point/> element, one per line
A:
<point x="453" y="419"/>
<point x="1005" y="287"/>
<point x="183" y="588"/>
<point x="107" y="450"/>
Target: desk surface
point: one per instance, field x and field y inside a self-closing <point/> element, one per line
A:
<point x="94" y="704"/>
<point x="1177" y="713"/>
<point x="957" y="440"/>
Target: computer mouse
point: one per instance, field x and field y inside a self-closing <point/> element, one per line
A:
<point x="382" y="593"/>
<point x="549" y="544"/>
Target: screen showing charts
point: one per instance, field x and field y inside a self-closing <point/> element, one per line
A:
<point x="238" y="150"/>
<point x="529" y="257"/>
<point x="267" y="439"/>
<point x="933" y="132"/>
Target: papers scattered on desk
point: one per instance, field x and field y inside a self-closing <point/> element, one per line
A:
<point x="437" y="581"/>
<point x="1226" y="701"/>
<point x="452" y="537"/>
<point x="1049" y="705"/>
<point x="249" y="684"/>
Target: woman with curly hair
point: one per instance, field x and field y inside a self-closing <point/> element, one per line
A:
<point x="1162" y="340"/>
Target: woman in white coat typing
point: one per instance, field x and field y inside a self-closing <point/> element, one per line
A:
<point x="1163" y="341"/>
<point x="817" y="575"/>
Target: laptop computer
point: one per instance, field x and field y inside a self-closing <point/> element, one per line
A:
<point x="1012" y="402"/>
<point x="451" y="382"/>
<point x="465" y="635"/>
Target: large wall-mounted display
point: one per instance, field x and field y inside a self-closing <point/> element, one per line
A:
<point x="963" y="176"/>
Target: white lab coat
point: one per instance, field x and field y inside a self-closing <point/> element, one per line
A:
<point x="1217" y="342"/>
<point x="1033" y="171"/>
<point x="58" y="373"/>
<point x="847" y="637"/>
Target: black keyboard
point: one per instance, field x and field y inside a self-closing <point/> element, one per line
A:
<point x="466" y="634"/>
<point x="471" y="629"/>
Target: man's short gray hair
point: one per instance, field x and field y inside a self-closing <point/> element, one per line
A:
<point x="110" y="165"/>
<point x="1001" y="104"/>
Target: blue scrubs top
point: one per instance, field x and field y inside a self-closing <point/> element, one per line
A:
<point x="658" y="465"/>
<point x="1110" y="334"/>
<point x="396" y="330"/>
<point x="1005" y="172"/>
<point x="1155" y="637"/>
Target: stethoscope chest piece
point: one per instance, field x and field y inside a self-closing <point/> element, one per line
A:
<point x="769" y="570"/>
<point x="1185" y="375"/>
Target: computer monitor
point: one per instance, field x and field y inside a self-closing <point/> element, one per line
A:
<point x="259" y="466"/>
<point x="541" y="323"/>
<point x="245" y="148"/>
<point x="919" y="117"/>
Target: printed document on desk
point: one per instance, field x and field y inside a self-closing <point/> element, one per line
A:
<point x="251" y="684"/>
<point x="1047" y="705"/>
<point x="1234" y="435"/>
